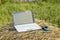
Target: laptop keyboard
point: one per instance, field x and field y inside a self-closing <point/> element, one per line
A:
<point x="25" y="27"/>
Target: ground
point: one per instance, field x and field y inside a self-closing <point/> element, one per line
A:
<point x="52" y="34"/>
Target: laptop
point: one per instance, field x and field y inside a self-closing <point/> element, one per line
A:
<point x="24" y="21"/>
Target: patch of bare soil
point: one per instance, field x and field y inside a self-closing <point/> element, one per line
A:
<point x="52" y="34"/>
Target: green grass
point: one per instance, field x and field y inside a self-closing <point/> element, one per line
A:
<point x="47" y="11"/>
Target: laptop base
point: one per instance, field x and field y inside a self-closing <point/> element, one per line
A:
<point x="27" y="27"/>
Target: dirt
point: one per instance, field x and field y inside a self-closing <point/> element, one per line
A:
<point x="52" y="34"/>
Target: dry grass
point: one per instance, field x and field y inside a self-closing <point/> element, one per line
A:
<point x="52" y="34"/>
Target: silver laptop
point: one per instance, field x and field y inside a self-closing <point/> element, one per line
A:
<point x="24" y="21"/>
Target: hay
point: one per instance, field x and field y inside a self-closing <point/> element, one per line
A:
<point x="52" y="34"/>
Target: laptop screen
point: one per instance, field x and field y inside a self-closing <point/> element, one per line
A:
<point x="23" y="17"/>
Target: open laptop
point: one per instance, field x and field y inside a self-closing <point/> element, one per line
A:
<point x="24" y="21"/>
